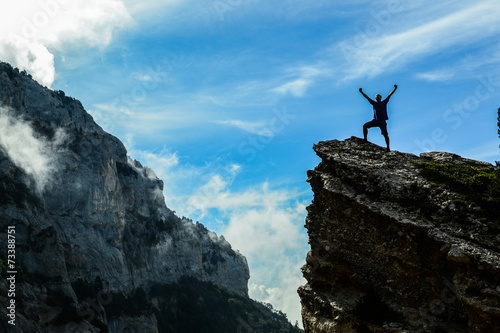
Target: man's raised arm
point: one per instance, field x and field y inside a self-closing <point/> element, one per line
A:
<point x="365" y="95"/>
<point x="393" y="91"/>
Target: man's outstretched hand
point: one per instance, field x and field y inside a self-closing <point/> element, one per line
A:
<point x="360" y="89"/>
<point x="395" y="86"/>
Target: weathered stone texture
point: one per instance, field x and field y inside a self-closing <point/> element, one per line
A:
<point x="96" y="215"/>
<point x="391" y="252"/>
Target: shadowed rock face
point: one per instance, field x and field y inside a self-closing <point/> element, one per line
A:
<point x="392" y="251"/>
<point x="84" y="211"/>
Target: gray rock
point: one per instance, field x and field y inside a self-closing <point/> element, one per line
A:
<point x="388" y="254"/>
<point x="85" y="211"/>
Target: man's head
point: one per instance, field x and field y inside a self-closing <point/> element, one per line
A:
<point x="378" y="97"/>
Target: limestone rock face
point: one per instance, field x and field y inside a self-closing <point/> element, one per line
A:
<point x="85" y="212"/>
<point x="392" y="251"/>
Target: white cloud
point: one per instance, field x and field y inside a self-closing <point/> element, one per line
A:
<point x="266" y="226"/>
<point x="187" y="189"/>
<point x="264" y="223"/>
<point x="303" y="77"/>
<point x="144" y="77"/>
<point x="34" y="155"/>
<point x="411" y="33"/>
<point x="272" y="238"/>
<point x="373" y="55"/>
<point x="216" y="194"/>
<point x="161" y="161"/>
<point x="485" y="61"/>
<point x="437" y="75"/>
<point x="147" y="7"/>
<point x="258" y="127"/>
<point x="30" y="56"/>
<point x="31" y="30"/>
<point x="166" y="166"/>
<point x="296" y="88"/>
<point x="285" y="297"/>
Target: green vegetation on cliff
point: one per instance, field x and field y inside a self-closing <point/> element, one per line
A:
<point x="479" y="186"/>
<point x="465" y="179"/>
<point x="195" y="306"/>
<point x="189" y="306"/>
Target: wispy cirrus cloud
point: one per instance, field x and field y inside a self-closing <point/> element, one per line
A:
<point x="422" y="30"/>
<point x="388" y="52"/>
<point x="296" y="87"/>
<point x="464" y="68"/>
<point x="437" y="75"/>
<point x="298" y="79"/>
<point x="254" y="127"/>
<point x="487" y="151"/>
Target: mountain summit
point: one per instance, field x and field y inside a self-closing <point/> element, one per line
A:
<point x="401" y="243"/>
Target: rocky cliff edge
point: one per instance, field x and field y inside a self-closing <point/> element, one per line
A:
<point x="393" y="250"/>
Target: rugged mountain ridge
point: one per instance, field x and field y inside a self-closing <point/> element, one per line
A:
<point x="394" y="251"/>
<point x="89" y="221"/>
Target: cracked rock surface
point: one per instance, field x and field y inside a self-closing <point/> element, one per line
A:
<point x="392" y="251"/>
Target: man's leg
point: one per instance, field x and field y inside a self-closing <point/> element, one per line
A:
<point x="366" y="126"/>
<point x="365" y="133"/>
<point x="387" y="142"/>
<point x="383" y="128"/>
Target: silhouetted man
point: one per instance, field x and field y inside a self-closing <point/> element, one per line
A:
<point x="379" y="115"/>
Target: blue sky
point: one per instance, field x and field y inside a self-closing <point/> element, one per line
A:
<point x="224" y="99"/>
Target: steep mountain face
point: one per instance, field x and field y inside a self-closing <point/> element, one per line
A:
<point x="87" y="217"/>
<point x="395" y="250"/>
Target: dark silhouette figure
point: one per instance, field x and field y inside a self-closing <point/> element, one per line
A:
<point x="379" y="115"/>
